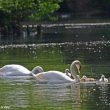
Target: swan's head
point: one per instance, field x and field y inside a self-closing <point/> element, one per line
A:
<point x="67" y="71"/>
<point x="37" y="69"/>
<point x="75" y="69"/>
<point x="77" y="66"/>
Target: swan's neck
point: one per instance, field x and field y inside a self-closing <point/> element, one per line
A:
<point x="74" y="72"/>
<point x="35" y="71"/>
<point x="34" y="75"/>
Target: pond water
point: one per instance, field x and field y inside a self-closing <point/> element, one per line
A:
<point x="23" y="93"/>
<point x="26" y="94"/>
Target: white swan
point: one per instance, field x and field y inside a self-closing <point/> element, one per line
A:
<point x="60" y="77"/>
<point x="18" y="70"/>
<point x="103" y="79"/>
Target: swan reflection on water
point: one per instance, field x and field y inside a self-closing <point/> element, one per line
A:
<point x="47" y="96"/>
<point x="104" y="94"/>
<point x="57" y="95"/>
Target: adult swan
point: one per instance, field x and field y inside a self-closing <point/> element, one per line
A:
<point x="18" y="70"/>
<point x="60" y="77"/>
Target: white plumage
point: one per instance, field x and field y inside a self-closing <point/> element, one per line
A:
<point x="103" y="79"/>
<point x="18" y="70"/>
<point x="60" y="77"/>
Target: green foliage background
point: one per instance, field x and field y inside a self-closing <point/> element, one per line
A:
<point x="19" y="10"/>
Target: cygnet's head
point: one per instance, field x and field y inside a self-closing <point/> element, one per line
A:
<point x="67" y="71"/>
<point x="103" y="79"/>
<point x="102" y="76"/>
<point x="84" y="78"/>
<point x="37" y="69"/>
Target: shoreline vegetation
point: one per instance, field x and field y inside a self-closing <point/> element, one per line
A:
<point x="57" y="33"/>
<point x="21" y="20"/>
<point x="53" y="20"/>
